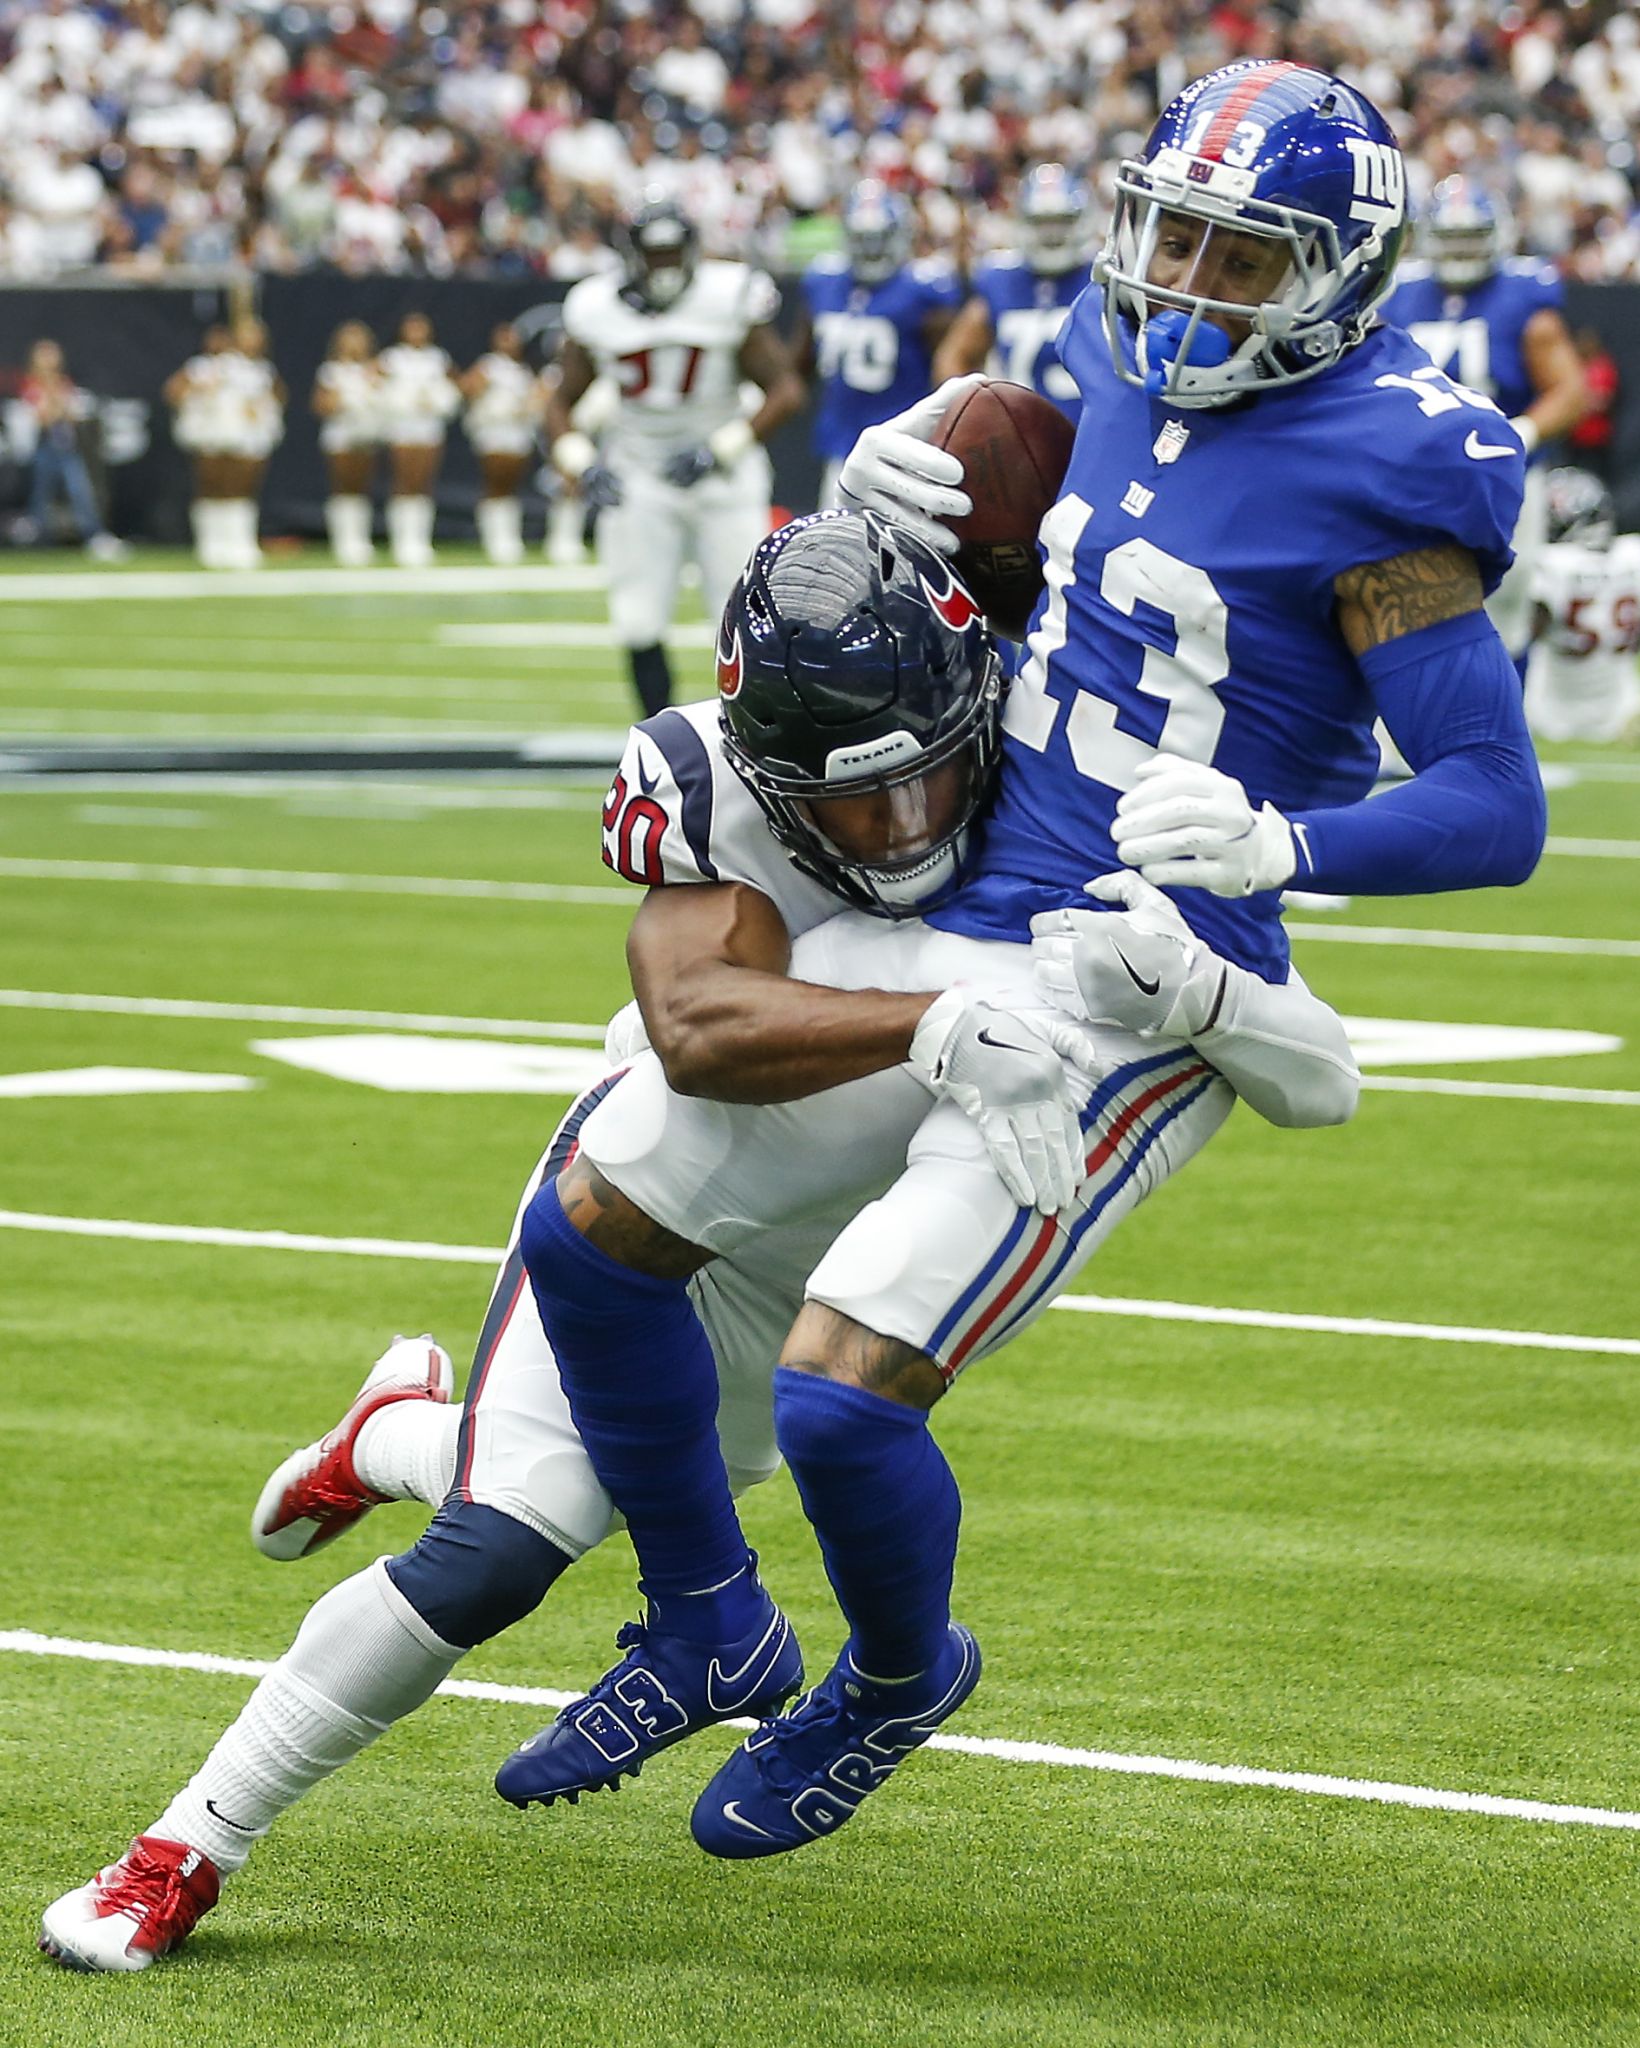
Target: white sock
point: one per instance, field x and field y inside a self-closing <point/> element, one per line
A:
<point x="566" y="531"/>
<point x="362" y="1660"/>
<point x="501" y="530"/>
<point x="239" y="530"/>
<point x="410" y="531"/>
<point x="347" y="519"/>
<point x="213" y="532"/>
<point x="408" y="1450"/>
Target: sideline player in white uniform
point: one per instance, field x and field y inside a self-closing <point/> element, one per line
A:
<point x="504" y="408"/>
<point x="1581" y="680"/>
<point x="519" y="1497"/>
<point x="197" y="396"/>
<point x="347" y="400"/>
<point x="682" y="475"/>
<point x="419" y="398"/>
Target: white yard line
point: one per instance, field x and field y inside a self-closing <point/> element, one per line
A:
<point x="250" y="681"/>
<point x="1503" y="1091"/>
<point x="294" y="1013"/>
<point x="273" y="584"/>
<point x="301" y="879"/>
<point x="1087" y="1304"/>
<point x="1476" y="942"/>
<point x="1595" y="849"/>
<point x="466" y="790"/>
<point x="566" y="633"/>
<point x="1371" y="1791"/>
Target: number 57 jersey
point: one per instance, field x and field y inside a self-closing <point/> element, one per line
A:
<point x="1190" y="608"/>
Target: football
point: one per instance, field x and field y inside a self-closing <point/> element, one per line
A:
<point x="1014" y="447"/>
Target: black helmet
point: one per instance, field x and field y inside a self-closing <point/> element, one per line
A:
<point x="852" y="663"/>
<point x="658" y="248"/>
<point x="1579" y="508"/>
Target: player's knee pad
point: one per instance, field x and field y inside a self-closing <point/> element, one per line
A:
<point x="475" y="1571"/>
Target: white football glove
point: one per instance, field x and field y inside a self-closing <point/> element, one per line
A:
<point x="1187" y="826"/>
<point x="1140" y="966"/>
<point x="893" y="470"/>
<point x="625" y="1036"/>
<point x="1008" y="1074"/>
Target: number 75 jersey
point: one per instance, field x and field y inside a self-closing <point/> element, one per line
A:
<point x="1190" y="607"/>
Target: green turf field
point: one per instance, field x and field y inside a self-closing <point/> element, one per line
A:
<point x="1391" y="1560"/>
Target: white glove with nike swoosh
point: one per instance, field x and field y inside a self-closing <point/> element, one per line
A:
<point x="894" y="470"/>
<point x="1139" y="966"/>
<point x="1008" y="1074"/>
<point x="1184" y="825"/>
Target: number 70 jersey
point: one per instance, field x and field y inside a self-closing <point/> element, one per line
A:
<point x="1190" y="608"/>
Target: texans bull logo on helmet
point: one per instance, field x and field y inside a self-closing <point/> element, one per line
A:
<point x="953" y="604"/>
<point x="730" y="666"/>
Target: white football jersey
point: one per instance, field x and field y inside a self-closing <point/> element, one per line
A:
<point x="676" y="371"/>
<point x="678" y="812"/>
<point x="417" y="380"/>
<point x="1581" y="680"/>
<point x="508" y="398"/>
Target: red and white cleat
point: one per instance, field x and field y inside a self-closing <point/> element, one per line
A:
<point x="135" y="1911"/>
<point x="316" y="1493"/>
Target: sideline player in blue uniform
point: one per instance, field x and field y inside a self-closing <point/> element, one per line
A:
<point x="1280" y="520"/>
<point x="1019" y="301"/>
<point x="1495" y="323"/>
<point x="872" y="318"/>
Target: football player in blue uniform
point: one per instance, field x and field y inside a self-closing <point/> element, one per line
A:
<point x="1280" y="520"/>
<point x="1495" y="323"/>
<point x="1019" y="302"/>
<point x="871" y="320"/>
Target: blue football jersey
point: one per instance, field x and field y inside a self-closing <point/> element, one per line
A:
<point x="872" y="357"/>
<point x="1476" y="334"/>
<point x="1190" y="608"/>
<point x="1027" y="312"/>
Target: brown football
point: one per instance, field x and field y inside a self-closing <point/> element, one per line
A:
<point x="1014" y="448"/>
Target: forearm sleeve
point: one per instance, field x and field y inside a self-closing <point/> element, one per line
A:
<point x="1283" y="1050"/>
<point x="1473" y="816"/>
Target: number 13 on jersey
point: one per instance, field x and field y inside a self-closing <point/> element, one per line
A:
<point x="1185" y="678"/>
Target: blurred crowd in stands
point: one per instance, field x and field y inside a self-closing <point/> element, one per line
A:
<point x="502" y="137"/>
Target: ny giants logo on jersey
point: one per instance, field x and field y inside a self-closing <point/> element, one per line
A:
<point x="731" y="667"/>
<point x="953" y="604"/>
<point x="1380" y="181"/>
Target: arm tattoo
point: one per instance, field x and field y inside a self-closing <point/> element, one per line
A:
<point x="1383" y="600"/>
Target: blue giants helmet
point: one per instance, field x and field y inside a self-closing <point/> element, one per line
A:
<point x="877" y="232"/>
<point x="1462" y="234"/>
<point x="1255" y="236"/>
<point x="859" y="687"/>
<point x="1054" y="220"/>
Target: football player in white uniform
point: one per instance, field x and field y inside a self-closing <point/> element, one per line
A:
<point x="682" y="474"/>
<point x="419" y="397"/>
<point x="1581" y="680"/>
<point x="519" y="1498"/>
<point x="504" y="406"/>
<point x="347" y="401"/>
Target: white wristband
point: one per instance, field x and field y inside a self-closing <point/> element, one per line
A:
<point x="933" y="1034"/>
<point x="573" y="454"/>
<point x="730" y="442"/>
<point x="1527" y="428"/>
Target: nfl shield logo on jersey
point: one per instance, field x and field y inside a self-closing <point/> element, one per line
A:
<point x="1169" y="443"/>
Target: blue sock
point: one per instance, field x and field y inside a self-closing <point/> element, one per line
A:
<point x="885" y="1507"/>
<point x="642" y="1386"/>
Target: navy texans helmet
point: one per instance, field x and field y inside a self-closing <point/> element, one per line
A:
<point x="1254" y="238"/>
<point x="860" y="694"/>
<point x="1579" y="508"/>
<point x="659" y="250"/>
<point x="877" y="231"/>
<point x="1462" y="233"/>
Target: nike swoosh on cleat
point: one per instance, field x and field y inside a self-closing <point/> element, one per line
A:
<point x="1147" y="988"/>
<point x="216" y="1813"/>
<point x="731" y="1811"/>
<point x="1482" y="451"/>
<point x="728" y="1691"/>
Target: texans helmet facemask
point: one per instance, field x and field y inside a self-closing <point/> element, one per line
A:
<point x="1254" y="238"/>
<point x="1578" y="507"/>
<point x="659" y="251"/>
<point x="853" y="665"/>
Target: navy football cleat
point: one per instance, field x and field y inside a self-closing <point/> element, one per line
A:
<point x="663" y="1690"/>
<point x="801" y="1776"/>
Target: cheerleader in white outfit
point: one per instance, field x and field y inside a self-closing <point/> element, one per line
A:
<point x="198" y="398"/>
<point x="254" y="407"/>
<point x="504" y="410"/>
<point x="347" y="400"/>
<point x="419" y="395"/>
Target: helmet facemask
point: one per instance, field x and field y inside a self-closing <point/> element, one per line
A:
<point x="659" y="251"/>
<point x="1463" y="257"/>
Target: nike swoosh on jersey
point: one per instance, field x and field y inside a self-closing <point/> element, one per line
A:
<point x="1145" y="988"/>
<point x="726" y="1691"/>
<point x="1482" y="451"/>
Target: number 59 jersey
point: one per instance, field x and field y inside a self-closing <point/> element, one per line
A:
<point x="1190" y="608"/>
